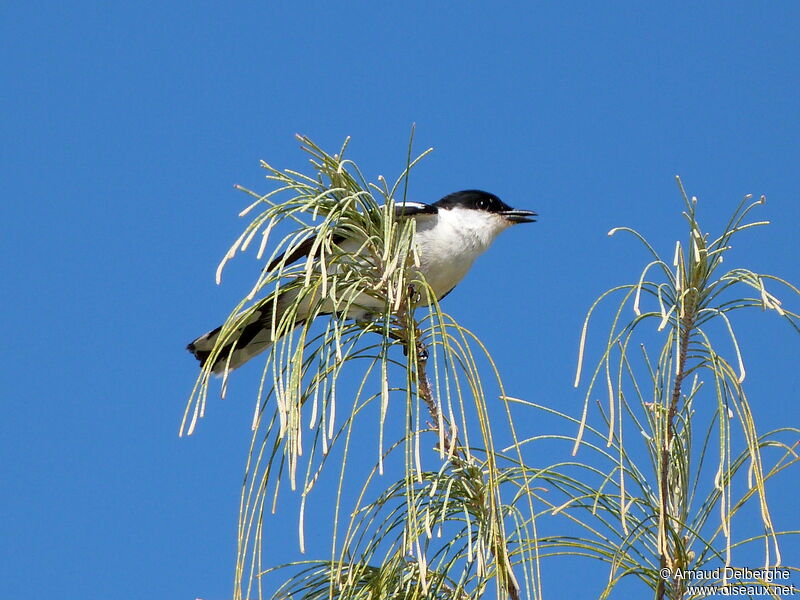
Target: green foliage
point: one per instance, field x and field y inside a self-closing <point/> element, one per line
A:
<point x="398" y="554"/>
<point x="458" y="518"/>
<point x="661" y="507"/>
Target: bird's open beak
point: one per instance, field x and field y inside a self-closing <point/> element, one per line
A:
<point x="519" y="216"/>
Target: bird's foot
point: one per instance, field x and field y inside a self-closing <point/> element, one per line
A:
<point x="413" y="295"/>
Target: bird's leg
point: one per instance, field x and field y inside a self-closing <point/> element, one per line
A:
<point x="414" y="296"/>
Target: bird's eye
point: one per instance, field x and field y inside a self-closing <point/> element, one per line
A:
<point x="483" y="204"/>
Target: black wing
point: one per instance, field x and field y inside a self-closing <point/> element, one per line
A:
<point x="409" y="209"/>
<point x="300" y="251"/>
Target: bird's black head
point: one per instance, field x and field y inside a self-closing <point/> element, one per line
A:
<point x="484" y="201"/>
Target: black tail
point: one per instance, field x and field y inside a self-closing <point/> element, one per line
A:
<point x="251" y="338"/>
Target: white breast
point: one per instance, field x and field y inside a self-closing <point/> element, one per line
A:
<point x="450" y="241"/>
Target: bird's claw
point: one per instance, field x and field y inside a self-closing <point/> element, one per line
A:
<point x="413" y="295"/>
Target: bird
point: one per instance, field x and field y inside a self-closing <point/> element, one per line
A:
<point x="449" y="235"/>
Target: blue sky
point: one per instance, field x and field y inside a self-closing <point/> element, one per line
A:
<point x="125" y="126"/>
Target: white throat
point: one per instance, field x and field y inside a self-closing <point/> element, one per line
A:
<point x="450" y="243"/>
<point x="478" y="228"/>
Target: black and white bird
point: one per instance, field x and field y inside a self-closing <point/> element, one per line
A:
<point x="450" y="235"/>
